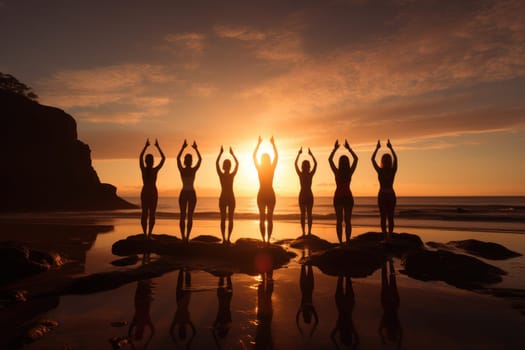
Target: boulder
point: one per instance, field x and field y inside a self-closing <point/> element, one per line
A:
<point x="311" y="242"/>
<point x="206" y="239"/>
<point x="459" y="270"/>
<point x="18" y="261"/>
<point x="39" y="330"/>
<point x="487" y="250"/>
<point x="399" y="244"/>
<point x="347" y="261"/>
<point x="363" y="254"/>
<point x="245" y="255"/>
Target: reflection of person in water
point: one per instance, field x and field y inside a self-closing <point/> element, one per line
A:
<point x="227" y="199"/>
<point x="266" y="195"/>
<point x="306" y="197"/>
<point x="343" y="199"/>
<point x="149" y="195"/>
<point x="345" y="302"/>
<point x="263" y="334"/>
<point x="390" y="329"/>
<point x="181" y="319"/>
<point x="223" y="320"/>
<point x="142" y="318"/>
<point x="307" y="308"/>
<point x="386" y="198"/>
<point x="187" y="197"/>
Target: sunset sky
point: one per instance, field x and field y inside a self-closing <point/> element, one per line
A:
<point x="443" y="79"/>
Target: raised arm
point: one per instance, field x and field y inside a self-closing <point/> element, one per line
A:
<point x="314" y="169"/>
<point x="275" y="154"/>
<point x="255" y="153"/>
<point x="354" y="156"/>
<point x="331" y="157"/>
<point x="217" y="165"/>
<point x="394" y="165"/>
<point x="179" y="155"/>
<point x="374" y="162"/>
<point x="234" y="172"/>
<point x="162" y="156"/>
<point x="141" y="156"/>
<point x="199" y="157"/>
<point x="297" y="170"/>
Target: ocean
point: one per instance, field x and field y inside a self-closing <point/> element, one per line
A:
<point x="506" y="214"/>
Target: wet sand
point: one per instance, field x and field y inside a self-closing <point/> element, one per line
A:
<point x="431" y="314"/>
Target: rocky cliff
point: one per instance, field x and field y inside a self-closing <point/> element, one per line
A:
<point x="43" y="165"/>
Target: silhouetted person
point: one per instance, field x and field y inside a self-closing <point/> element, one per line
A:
<point x="307" y="309"/>
<point x="187" y="197"/>
<point x="343" y="199"/>
<point x="223" y="320"/>
<point x="306" y="197"/>
<point x="390" y="329"/>
<point x="181" y="319"/>
<point x="386" y="199"/>
<point x="142" y="318"/>
<point x="149" y="194"/>
<point x="263" y="333"/>
<point x="227" y="199"/>
<point x="345" y="302"/>
<point x="266" y="195"/>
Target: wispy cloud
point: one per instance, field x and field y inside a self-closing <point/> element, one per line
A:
<point x="194" y="42"/>
<point x="283" y="45"/>
<point x="113" y="94"/>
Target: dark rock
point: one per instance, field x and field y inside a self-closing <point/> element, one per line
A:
<point x="455" y="269"/>
<point x="364" y="254"/>
<point x="400" y="243"/>
<point x="38" y="330"/>
<point x="119" y="342"/>
<point x="44" y="166"/>
<point x="18" y="261"/>
<point x="487" y="250"/>
<point x="311" y="242"/>
<point x="206" y="239"/>
<point x="17" y="318"/>
<point x="139" y="244"/>
<point x="51" y="258"/>
<point x="10" y="297"/>
<point x="439" y="245"/>
<point x="127" y="261"/>
<point x="347" y="261"/>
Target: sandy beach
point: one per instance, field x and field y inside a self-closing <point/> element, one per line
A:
<point x="431" y="314"/>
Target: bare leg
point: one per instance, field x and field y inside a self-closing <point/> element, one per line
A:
<point x="151" y="222"/>
<point x="339" y="222"/>
<point x="231" y="209"/>
<point x="223" y="222"/>
<point x="383" y="223"/>
<point x="144" y="219"/>
<point x="262" y="218"/>
<point x="262" y="214"/>
<point x="152" y="212"/>
<point x="269" y="217"/>
<point x="303" y="213"/>
<point x="183" y="204"/>
<point x="390" y="224"/>
<point x="309" y="214"/>
<point x="348" y="222"/>
<point x="191" y="208"/>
